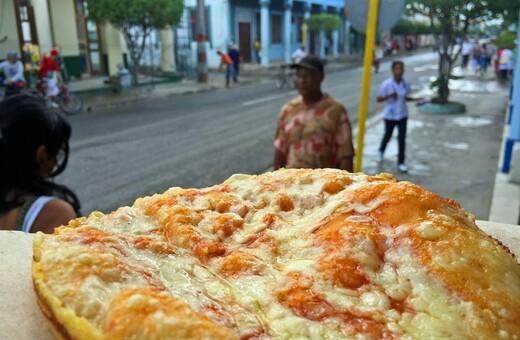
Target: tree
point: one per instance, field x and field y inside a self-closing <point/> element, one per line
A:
<point x="325" y="22"/>
<point x="136" y="19"/>
<point x="454" y="18"/>
<point x="407" y="26"/>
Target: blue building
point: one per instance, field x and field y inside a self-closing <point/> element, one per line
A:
<point x="277" y="26"/>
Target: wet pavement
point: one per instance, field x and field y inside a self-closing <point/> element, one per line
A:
<point x="455" y="156"/>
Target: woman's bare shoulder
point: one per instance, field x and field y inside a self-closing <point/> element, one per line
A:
<point x="55" y="213"/>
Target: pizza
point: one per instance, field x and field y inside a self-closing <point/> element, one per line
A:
<point x="290" y="254"/>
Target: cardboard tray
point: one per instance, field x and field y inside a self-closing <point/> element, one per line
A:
<point x="20" y="317"/>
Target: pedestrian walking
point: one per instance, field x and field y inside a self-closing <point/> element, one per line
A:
<point x="395" y="91"/>
<point x="485" y="57"/>
<point x="225" y="61"/>
<point x="505" y="63"/>
<point x="476" y="54"/>
<point x="257" y="47"/>
<point x="313" y="130"/>
<point x="34" y="148"/>
<point x="466" y="48"/>
<point x="234" y="54"/>
<point x="378" y="55"/>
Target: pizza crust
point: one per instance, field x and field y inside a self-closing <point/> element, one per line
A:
<point x="293" y="253"/>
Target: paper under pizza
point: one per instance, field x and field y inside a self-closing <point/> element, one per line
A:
<point x="321" y="254"/>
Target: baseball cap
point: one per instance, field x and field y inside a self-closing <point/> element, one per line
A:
<point x="309" y="62"/>
<point x="54" y="52"/>
<point x="12" y="54"/>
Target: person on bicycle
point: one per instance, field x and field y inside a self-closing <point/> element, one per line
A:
<point x="34" y="148"/>
<point x="12" y="70"/>
<point x="50" y="75"/>
<point x="313" y="129"/>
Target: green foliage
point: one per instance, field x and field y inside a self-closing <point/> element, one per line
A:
<point x="505" y="39"/>
<point x="323" y="21"/>
<point x="157" y="14"/>
<point x="406" y="26"/>
<point x="455" y="17"/>
<point x="136" y="19"/>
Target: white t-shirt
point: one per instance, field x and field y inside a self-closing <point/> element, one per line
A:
<point x="466" y="48"/>
<point x="378" y="53"/>
<point x="298" y="55"/>
<point x="395" y="109"/>
<point x="506" y="60"/>
<point x="13" y="72"/>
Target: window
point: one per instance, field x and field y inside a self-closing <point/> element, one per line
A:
<point x="193" y="23"/>
<point x="276" y="29"/>
<point x="299" y="27"/>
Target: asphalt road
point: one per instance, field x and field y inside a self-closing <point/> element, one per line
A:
<point x="122" y="153"/>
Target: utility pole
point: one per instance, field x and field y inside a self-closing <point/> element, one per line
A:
<point x="202" y="60"/>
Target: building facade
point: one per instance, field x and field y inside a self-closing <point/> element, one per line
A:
<point x="263" y="30"/>
<point x="86" y="48"/>
<point x="276" y="26"/>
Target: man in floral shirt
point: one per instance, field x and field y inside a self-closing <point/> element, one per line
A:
<point x="313" y="129"/>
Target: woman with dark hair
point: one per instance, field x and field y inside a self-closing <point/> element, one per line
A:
<point x="34" y="148"/>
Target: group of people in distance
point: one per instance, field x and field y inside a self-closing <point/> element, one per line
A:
<point x="481" y="56"/>
<point x="313" y="131"/>
<point x="230" y="61"/>
<point x="12" y="74"/>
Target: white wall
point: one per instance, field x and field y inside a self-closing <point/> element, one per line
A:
<point x="8" y="27"/>
<point x="219" y="29"/>
<point x="43" y="25"/>
<point x="64" y="23"/>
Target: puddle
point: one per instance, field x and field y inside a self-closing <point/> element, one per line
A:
<point x="472" y="122"/>
<point x="457" y="146"/>
<point x="425" y="67"/>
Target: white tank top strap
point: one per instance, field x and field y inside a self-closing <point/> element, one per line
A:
<point x="34" y="211"/>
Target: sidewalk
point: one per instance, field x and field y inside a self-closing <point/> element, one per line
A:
<point x="459" y="155"/>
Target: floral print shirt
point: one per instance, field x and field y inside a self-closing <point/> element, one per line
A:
<point x="314" y="136"/>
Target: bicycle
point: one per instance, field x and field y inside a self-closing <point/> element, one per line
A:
<point x="68" y="102"/>
<point x="285" y="77"/>
<point x="11" y="89"/>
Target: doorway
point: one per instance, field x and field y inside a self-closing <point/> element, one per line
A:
<point x="244" y="44"/>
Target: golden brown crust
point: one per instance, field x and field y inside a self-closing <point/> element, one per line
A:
<point x="293" y="253"/>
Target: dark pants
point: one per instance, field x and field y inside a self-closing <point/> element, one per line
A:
<point x="230" y="73"/>
<point x="12" y="90"/>
<point x="389" y="129"/>
<point x="465" y="59"/>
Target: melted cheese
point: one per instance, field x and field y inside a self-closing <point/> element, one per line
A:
<point x="317" y="254"/>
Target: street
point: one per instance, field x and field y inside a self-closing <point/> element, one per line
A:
<point x="122" y="153"/>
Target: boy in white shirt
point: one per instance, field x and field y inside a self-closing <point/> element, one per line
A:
<point x="394" y="91"/>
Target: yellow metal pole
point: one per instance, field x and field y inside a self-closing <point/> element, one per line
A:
<point x="304" y="34"/>
<point x="370" y="38"/>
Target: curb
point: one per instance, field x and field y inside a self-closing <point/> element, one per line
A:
<point x="332" y="66"/>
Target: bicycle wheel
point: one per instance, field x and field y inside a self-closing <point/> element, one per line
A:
<point x="70" y="103"/>
<point x="290" y="81"/>
<point x="33" y="92"/>
<point x="279" y="82"/>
